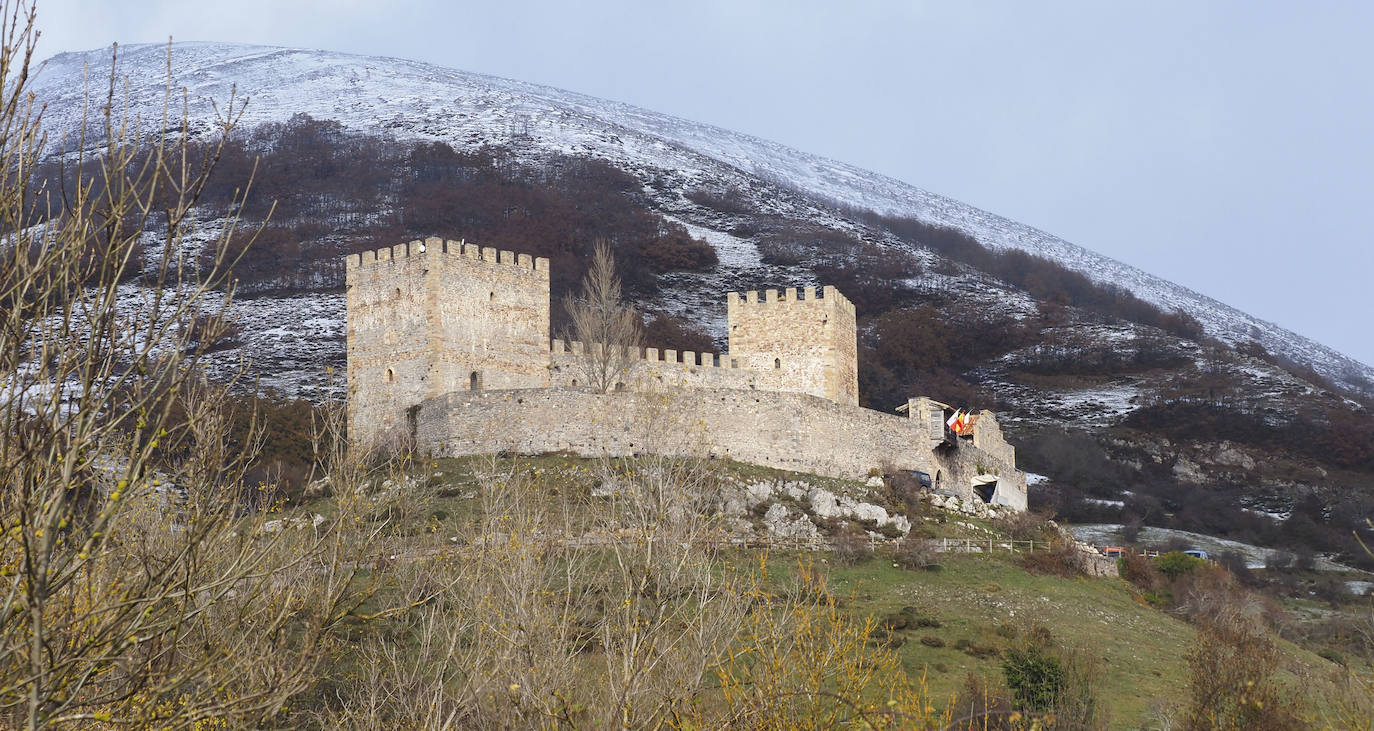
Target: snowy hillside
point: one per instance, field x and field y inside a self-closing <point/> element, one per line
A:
<point x="414" y="100"/>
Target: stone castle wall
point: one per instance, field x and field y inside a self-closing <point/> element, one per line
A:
<point x="784" y="430"/>
<point x="656" y="370"/>
<point x="429" y="317"/>
<point x="796" y="341"/>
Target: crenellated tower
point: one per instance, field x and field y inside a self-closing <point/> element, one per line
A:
<point x="797" y="341"/>
<point x="432" y="317"/>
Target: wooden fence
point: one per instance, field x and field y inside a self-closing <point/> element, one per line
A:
<point x="942" y="545"/>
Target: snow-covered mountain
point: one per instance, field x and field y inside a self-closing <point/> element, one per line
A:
<point x="414" y="100"/>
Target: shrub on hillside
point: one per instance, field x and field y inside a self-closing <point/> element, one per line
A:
<point x="1042" y="278"/>
<point x="1232" y="683"/>
<point x="1177" y="563"/>
<point x="666" y="331"/>
<point x="730" y="201"/>
<point x="675" y="250"/>
<point x="1141" y="572"/>
<point x="1045" y="676"/>
<point x="980" y="703"/>
<point x="918" y="552"/>
<point x="1034" y="676"/>
<point x="1061" y="559"/>
<point x="1027" y="526"/>
<point x="1235" y="562"/>
<point x="851" y="544"/>
<point x="1210" y="595"/>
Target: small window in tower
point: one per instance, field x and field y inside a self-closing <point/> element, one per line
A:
<point x="389" y="376"/>
<point x="619" y="387"/>
<point x="491" y="296"/>
<point x="398" y="291"/>
<point x="777" y="363"/>
<point x="574" y="383"/>
<point x="475" y="381"/>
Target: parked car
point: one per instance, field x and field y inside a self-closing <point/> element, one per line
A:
<point x="1196" y="553"/>
<point x="923" y="478"/>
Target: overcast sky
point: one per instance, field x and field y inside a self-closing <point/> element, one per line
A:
<point x="1228" y="146"/>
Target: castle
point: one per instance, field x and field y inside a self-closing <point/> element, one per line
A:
<point x="449" y="345"/>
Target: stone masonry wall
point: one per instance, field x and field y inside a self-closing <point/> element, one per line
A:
<point x="429" y="317"/>
<point x="784" y="430"/>
<point x="387" y="341"/>
<point x="987" y="435"/>
<point x="800" y="344"/>
<point x="656" y="370"/>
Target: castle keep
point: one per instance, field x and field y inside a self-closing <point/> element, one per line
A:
<point x="449" y="345"/>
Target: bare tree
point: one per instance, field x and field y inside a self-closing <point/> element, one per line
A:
<point x="135" y="590"/>
<point x="608" y="328"/>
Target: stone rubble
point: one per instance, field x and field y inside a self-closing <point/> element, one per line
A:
<point x="973" y="508"/>
<point x="280" y="524"/>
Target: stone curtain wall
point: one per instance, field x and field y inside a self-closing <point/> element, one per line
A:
<point x="656" y="370"/>
<point x="784" y="430"/>
<point x="429" y="317"/>
<point x="798" y="344"/>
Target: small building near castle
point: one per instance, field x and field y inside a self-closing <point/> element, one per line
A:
<point x="449" y="347"/>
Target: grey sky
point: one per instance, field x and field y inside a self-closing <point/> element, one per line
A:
<point x="1226" y="146"/>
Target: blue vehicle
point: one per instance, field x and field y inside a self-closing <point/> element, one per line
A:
<point x="1195" y="553"/>
<point x="922" y="478"/>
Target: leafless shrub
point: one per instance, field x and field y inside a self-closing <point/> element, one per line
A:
<point x="727" y="202"/>
<point x="1061" y="559"/>
<point x="917" y="552"/>
<point x="851" y="544"/>
<point x="981" y="704"/>
<point x="1212" y="597"/>
<point x="1027" y="526"/>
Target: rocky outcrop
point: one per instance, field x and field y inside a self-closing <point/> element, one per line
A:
<point x="796" y="508"/>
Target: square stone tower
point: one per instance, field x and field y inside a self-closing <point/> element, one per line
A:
<point x="801" y="344"/>
<point x="431" y="317"/>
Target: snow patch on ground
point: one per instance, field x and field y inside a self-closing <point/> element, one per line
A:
<point x="734" y="252"/>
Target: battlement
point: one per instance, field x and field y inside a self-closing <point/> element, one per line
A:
<point x="448" y="247"/>
<point x="686" y="358"/>
<point x="827" y="295"/>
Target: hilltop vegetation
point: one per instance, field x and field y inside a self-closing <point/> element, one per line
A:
<point x="946" y="638"/>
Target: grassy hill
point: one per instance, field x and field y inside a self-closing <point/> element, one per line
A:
<point x="938" y="625"/>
